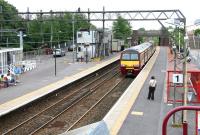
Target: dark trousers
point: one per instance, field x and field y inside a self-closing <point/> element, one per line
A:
<point x="151" y="93"/>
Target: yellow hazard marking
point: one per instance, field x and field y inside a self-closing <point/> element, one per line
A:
<point x="137" y="113"/>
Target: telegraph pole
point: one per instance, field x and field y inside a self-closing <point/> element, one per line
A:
<point x="104" y="48"/>
<point x="174" y="102"/>
<point x="184" y="113"/>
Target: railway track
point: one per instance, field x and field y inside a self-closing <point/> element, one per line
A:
<point x="67" y="114"/>
<point x="95" y="105"/>
<point x="52" y="112"/>
<point x="25" y="113"/>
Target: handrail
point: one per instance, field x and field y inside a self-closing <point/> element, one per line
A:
<point x="170" y="113"/>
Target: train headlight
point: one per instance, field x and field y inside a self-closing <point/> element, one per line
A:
<point x="122" y="65"/>
<point x="136" y="65"/>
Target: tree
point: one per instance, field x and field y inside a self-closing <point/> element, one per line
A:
<point x="40" y="28"/>
<point x="8" y="13"/>
<point x="197" y="32"/>
<point x="177" y="35"/>
<point x="141" y="39"/>
<point x="121" y="29"/>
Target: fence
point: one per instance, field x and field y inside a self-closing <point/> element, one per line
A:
<point x="194" y="42"/>
<point x="175" y="92"/>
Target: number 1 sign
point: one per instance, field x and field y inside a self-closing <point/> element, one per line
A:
<point x="177" y="78"/>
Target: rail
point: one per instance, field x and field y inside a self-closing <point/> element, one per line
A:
<point x="170" y="113"/>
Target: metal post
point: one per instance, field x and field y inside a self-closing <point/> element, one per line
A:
<point x="7" y="42"/>
<point x="196" y="121"/>
<point x="104" y="49"/>
<point x="73" y="34"/>
<point x="21" y="39"/>
<point x="193" y="36"/>
<point x="51" y="30"/>
<point x="185" y="128"/>
<point x="41" y="27"/>
<point x="185" y="77"/>
<point x="55" y="59"/>
<point x="174" y="102"/>
<point x="58" y="39"/>
<point x="86" y="55"/>
<point x="179" y="41"/>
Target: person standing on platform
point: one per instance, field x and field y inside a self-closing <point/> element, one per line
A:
<point x="17" y="71"/>
<point x="152" y="88"/>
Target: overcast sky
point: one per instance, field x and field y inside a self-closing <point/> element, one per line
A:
<point x="190" y="8"/>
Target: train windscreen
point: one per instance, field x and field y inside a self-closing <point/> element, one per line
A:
<point x="129" y="56"/>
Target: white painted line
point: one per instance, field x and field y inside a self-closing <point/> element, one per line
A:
<point x="137" y="113"/>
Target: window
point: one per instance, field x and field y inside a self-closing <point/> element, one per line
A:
<point x="125" y="56"/>
<point x="134" y="56"/>
<point x="79" y="35"/>
<point x="130" y="56"/>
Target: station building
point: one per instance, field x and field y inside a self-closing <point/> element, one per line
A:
<point x="8" y="57"/>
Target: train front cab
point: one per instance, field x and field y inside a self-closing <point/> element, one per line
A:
<point x="129" y="63"/>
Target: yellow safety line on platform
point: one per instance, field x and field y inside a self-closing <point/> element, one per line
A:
<point x="137" y="113"/>
<point x="136" y="87"/>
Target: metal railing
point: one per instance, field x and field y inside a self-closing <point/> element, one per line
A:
<point x="185" y="124"/>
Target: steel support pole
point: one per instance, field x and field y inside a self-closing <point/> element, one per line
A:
<point x="21" y="39"/>
<point x="179" y="40"/>
<point x="185" y="77"/>
<point x="55" y="60"/>
<point x="73" y="34"/>
<point x="51" y="38"/>
<point x="174" y="102"/>
<point x="185" y="128"/>
<point x="104" y="48"/>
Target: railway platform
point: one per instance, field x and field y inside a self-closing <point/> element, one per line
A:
<point x="134" y="114"/>
<point x="42" y="80"/>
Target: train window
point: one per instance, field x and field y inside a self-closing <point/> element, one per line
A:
<point x="129" y="56"/>
<point x="134" y="56"/>
<point x="126" y="56"/>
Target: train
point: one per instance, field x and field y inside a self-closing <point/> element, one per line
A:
<point x="133" y="59"/>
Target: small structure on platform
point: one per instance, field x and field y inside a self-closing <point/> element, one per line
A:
<point x="117" y="45"/>
<point x="94" y="39"/>
<point x="9" y="56"/>
<point x="84" y="37"/>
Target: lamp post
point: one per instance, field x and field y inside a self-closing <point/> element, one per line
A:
<point x="55" y="59"/>
<point x="174" y="101"/>
<point x="73" y="34"/>
<point x="59" y="38"/>
<point x="21" y="42"/>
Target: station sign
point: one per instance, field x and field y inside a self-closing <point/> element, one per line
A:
<point x="177" y="78"/>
